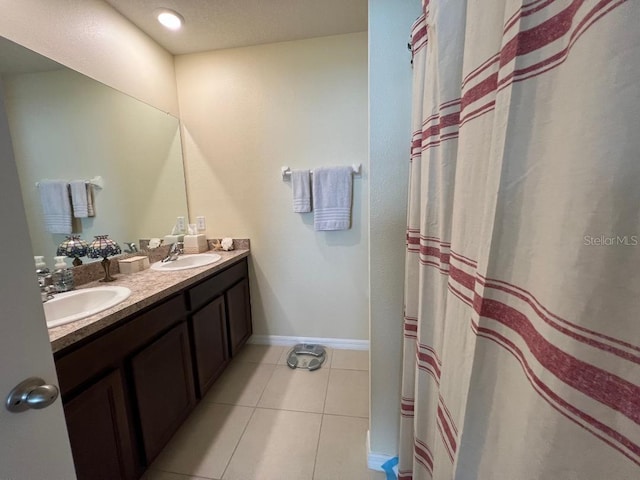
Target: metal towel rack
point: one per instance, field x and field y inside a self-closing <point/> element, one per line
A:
<point x="96" y="181"/>
<point x="286" y="171"/>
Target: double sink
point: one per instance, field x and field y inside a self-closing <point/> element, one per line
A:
<point x="78" y="304"/>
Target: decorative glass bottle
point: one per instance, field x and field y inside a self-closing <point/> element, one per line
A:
<point x="62" y="276"/>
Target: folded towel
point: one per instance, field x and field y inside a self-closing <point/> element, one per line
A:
<point x="91" y="211"/>
<point x="56" y="207"/>
<point x="301" y="191"/>
<point x="332" y="189"/>
<point x="79" y="198"/>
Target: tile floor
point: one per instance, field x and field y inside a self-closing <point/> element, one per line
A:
<point x="261" y="420"/>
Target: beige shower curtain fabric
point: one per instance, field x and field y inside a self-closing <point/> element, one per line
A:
<point x="522" y="303"/>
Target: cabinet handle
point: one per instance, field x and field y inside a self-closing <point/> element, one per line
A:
<point x="32" y="393"/>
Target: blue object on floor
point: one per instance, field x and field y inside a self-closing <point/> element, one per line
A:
<point x="388" y="468"/>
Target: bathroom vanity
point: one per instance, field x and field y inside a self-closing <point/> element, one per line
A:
<point x="130" y="376"/>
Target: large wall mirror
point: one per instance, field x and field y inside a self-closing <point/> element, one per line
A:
<point x="66" y="126"/>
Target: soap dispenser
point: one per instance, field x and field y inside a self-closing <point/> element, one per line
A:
<point x="44" y="278"/>
<point x="62" y="276"/>
<point x="41" y="266"/>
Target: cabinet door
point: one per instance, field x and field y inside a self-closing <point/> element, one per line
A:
<point x="239" y="315"/>
<point x="210" y="343"/>
<point x="163" y="382"/>
<point x="99" y="431"/>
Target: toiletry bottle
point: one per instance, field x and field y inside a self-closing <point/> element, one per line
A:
<point x="41" y="266"/>
<point x="62" y="276"/>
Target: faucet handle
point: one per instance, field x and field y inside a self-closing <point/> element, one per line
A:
<point x="131" y="247"/>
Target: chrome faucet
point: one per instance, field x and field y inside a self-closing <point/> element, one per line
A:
<point x="45" y="282"/>
<point x="131" y="247"/>
<point x="176" y="249"/>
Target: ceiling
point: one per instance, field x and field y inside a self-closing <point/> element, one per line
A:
<point x="217" y="24"/>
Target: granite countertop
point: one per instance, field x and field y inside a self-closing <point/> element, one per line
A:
<point x="147" y="287"/>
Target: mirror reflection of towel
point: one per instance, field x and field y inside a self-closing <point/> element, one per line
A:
<point x="79" y="198"/>
<point x="91" y="211"/>
<point x="56" y="206"/>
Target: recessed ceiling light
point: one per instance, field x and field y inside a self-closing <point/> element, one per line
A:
<point x="170" y="19"/>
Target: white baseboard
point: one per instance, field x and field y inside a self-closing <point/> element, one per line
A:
<point x="376" y="460"/>
<point x="338" y="343"/>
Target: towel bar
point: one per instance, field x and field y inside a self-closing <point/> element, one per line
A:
<point x="96" y="181"/>
<point x="286" y="171"/>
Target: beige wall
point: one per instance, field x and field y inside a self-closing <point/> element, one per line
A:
<point x="90" y="37"/>
<point x="389" y="137"/>
<point x="248" y="111"/>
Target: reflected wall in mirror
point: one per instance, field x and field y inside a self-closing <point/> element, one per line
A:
<point x="66" y="126"/>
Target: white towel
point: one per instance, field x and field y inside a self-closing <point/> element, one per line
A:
<point x="79" y="198"/>
<point x="56" y="207"/>
<point x="332" y="189"/>
<point x="91" y="211"/>
<point x="301" y="191"/>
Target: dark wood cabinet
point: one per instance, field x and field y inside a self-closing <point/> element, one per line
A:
<point x="210" y="343"/>
<point x="238" y="315"/>
<point x="99" y="431"/>
<point x="127" y="389"/>
<point x="163" y="383"/>
<point x="233" y="285"/>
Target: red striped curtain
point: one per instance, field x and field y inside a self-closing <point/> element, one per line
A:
<point x="522" y="317"/>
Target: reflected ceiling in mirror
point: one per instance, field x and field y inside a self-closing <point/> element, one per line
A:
<point x="66" y="126"/>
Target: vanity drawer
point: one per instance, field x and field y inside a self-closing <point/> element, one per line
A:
<point x="109" y="350"/>
<point x="212" y="287"/>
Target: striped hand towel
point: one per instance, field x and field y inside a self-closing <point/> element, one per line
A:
<point x="79" y="198"/>
<point x="91" y="211"/>
<point x="332" y="192"/>
<point x="300" y="183"/>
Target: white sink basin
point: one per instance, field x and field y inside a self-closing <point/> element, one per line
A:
<point x="71" y="306"/>
<point x="187" y="261"/>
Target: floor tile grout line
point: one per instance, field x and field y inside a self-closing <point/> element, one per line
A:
<point x="324" y="399"/>
<point x="326" y="393"/>
<point x="253" y="407"/>
<point x="324" y="410"/>
<point x="261" y="392"/>
<point x="315" y="457"/>
<point x="287" y="368"/>
<point x="347" y="368"/>
<point x="266" y="385"/>
<point x="287" y="410"/>
<point x="240" y="355"/>
<point x="186" y="475"/>
<point x="344" y="415"/>
<point x="351" y="369"/>
<point x="253" y="412"/>
<point x="259" y="362"/>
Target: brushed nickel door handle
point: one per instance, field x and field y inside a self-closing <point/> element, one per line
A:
<point x="32" y="393"/>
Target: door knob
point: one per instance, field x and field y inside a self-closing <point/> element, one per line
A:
<point x="31" y="393"/>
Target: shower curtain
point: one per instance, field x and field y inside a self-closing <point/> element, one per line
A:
<point x="522" y="303"/>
